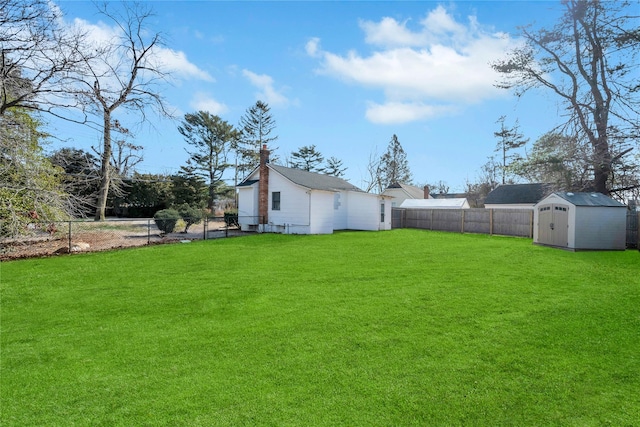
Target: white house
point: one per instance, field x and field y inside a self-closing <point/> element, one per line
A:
<point x="400" y="192"/>
<point x="293" y="201"/>
<point x="453" y="203"/>
<point x="580" y="221"/>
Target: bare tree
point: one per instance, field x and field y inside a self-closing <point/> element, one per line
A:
<point x="124" y="77"/>
<point x="38" y="57"/>
<point x="372" y="179"/>
<point x="589" y="60"/>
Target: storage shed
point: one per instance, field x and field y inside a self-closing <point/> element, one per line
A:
<point x="580" y="221"/>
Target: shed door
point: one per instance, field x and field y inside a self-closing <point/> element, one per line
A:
<point x="553" y="225"/>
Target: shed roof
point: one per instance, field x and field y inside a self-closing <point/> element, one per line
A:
<point x="458" y="203"/>
<point x="589" y="199"/>
<point x="516" y="194"/>
<point x="314" y="181"/>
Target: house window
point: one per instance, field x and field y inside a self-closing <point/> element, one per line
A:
<point x="381" y="212"/>
<point x="275" y="201"/>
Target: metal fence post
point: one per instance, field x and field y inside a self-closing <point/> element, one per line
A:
<point x="69" y="236"/>
<point x="148" y="231"/>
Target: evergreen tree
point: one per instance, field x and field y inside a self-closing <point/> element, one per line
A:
<point x="334" y="167"/>
<point x="307" y="158"/>
<point x="509" y="139"/>
<point x="393" y="166"/>
<point x="212" y="139"/>
<point x="30" y="186"/>
<point x="81" y="175"/>
<point x="255" y="130"/>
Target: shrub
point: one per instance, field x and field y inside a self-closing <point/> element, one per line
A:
<point x="231" y="218"/>
<point x="190" y="215"/>
<point x="166" y="220"/>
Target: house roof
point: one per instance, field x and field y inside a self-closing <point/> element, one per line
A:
<point x="410" y="190"/>
<point x="516" y="194"/>
<point x="435" y="203"/>
<point x="314" y="181"/>
<point x="247" y="183"/>
<point x="589" y="199"/>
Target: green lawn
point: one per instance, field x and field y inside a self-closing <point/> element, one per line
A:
<point x="393" y="328"/>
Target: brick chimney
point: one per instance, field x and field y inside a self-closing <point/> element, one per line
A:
<point x="263" y="186"/>
<point x="426" y="192"/>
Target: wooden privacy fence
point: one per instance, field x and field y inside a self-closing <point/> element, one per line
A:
<point x="507" y="222"/>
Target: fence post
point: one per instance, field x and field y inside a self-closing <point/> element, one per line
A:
<point x="531" y="224"/>
<point x="462" y="224"/>
<point x="148" y="231"/>
<point x="204" y="226"/>
<point x="69" y="236"/>
<point x="490" y="222"/>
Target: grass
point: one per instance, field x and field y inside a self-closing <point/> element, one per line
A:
<point x="395" y="328"/>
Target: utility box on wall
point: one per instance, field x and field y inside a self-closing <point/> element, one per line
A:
<point x="580" y="221"/>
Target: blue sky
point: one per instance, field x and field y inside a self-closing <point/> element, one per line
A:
<point x="343" y="76"/>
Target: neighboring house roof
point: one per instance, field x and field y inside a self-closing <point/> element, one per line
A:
<point x="314" y="181"/>
<point x="458" y="203"/>
<point x="448" y="195"/>
<point x="410" y="190"/>
<point x="507" y="194"/>
<point x="589" y="199"/>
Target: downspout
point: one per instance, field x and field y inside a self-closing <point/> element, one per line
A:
<point x="309" y="219"/>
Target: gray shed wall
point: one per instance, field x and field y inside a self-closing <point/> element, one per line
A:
<point x="600" y="227"/>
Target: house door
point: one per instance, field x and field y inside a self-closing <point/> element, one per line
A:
<point x="553" y="225"/>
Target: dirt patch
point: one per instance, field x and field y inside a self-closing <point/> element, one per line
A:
<point x="76" y="237"/>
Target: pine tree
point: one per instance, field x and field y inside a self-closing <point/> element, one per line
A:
<point x="509" y="139"/>
<point x="307" y="158"/>
<point x="255" y="130"/>
<point x="334" y="167"/>
<point x="394" y="166"/>
<point x="212" y="139"/>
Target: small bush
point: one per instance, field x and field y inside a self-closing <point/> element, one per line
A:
<point x="166" y="220"/>
<point x="231" y="218"/>
<point x="190" y="215"/>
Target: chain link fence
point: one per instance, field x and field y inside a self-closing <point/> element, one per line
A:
<point x="50" y="238"/>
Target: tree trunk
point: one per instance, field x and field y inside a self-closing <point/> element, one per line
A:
<point x="105" y="175"/>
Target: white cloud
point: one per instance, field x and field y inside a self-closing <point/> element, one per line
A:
<point x="440" y="67"/>
<point x="176" y="63"/>
<point x="404" y="112"/>
<point x="267" y="93"/>
<point x="168" y="60"/>
<point x="204" y="102"/>
<point x="313" y="47"/>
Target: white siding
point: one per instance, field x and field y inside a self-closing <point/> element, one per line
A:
<point x="248" y="206"/>
<point x="340" y="210"/>
<point x="364" y="212"/>
<point x="398" y="195"/>
<point x="293" y="216"/>
<point x="321" y="212"/>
